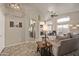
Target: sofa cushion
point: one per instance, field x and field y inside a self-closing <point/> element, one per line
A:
<point x="62" y="37"/>
<point x="75" y="36"/>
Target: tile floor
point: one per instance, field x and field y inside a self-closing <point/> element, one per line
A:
<point x="27" y="49"/>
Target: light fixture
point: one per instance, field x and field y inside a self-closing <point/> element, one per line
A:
<point x="45" y="28"/>
<point x="14" y="6"/>
<point x="52" y="13"/>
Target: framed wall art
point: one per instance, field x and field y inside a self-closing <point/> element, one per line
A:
<point x="20" y="24"/>
<point x="11" y="24"/>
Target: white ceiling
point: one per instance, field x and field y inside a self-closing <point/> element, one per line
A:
<point x="59" y="8"/>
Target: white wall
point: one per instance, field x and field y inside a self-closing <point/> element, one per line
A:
<point x="2" y="29"/>
<point x="14" y="35"/>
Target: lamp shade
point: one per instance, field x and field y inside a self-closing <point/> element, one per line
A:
<point x="45" y="27"/>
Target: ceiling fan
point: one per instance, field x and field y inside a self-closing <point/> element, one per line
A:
<point x="52" y="14"/>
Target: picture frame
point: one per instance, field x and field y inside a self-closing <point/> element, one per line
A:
<point x="20" y="24"/>
<point x="11" y="24"/>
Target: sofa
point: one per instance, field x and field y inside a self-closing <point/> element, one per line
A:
<point x="64" y="46"/>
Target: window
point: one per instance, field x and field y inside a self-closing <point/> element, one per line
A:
<point x="63" y="26"/>
<point x="61" y="20"/>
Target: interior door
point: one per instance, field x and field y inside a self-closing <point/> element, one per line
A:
<point x="2" y="34"/>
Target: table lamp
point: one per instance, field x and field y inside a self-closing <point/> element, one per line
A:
<point x="45" y="29"/>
